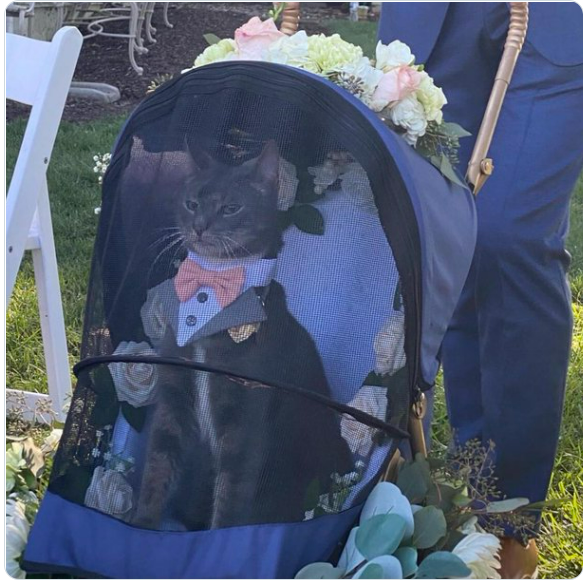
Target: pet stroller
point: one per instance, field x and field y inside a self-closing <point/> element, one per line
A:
<point x="255" y="332"/>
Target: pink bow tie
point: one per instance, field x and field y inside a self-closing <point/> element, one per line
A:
<point x="191" y="277"/>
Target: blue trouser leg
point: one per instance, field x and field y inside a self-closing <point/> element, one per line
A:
<point x="506" y="355"/>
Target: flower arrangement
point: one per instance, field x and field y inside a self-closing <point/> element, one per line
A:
<point x="426" y="525"/>
<point x="29" y="452"/>
<point x="399" y="90"/>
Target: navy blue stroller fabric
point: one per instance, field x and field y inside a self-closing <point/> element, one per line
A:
<point x="273" y="275"/>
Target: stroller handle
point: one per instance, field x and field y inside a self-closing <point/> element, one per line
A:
<point x="481" y="166"/>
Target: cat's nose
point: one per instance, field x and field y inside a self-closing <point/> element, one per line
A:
<point x="199" y="226"/>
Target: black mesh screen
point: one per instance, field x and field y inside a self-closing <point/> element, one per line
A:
<point x="244" y="353"/>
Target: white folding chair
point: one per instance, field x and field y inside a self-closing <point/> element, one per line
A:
<point x="39" y="74"/>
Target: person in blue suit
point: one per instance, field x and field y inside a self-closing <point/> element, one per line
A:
<point x="506" y="354"/>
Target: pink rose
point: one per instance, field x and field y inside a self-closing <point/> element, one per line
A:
<point x="254" y="37"/>
<point x="397" y="84"/>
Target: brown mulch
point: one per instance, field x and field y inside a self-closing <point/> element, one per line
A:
<point x="105" y="59"/>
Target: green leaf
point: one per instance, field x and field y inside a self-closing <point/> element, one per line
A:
<point x="414" y="480"/>
<point x="308" y="219"/>
<point x="319" y="571"/>
<point x="447" y="170"/>
<point x="441" y="495"/>
<point x="211" y="38"/>
<point x="451" y="540"/>
<point x="380" y="535"/>
<point x="507" y="505"/>
<point x="33" y="456"/>
<point x="548" y="504"/>
<point x="372" y="572"/>
<point x="441" y="565"/>
<point x="430" y="527"/>
<point x="136" y="417"/>
<point x="312" y="495"/>
<point x="435" y="463"/>
<point x="461" y="500"/>
<point x="408" y="558"/>
<point x="454" y="130"/>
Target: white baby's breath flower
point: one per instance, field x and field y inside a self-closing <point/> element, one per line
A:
<point x="479" y="552"/>
<point x="409" y="114"/>
<point x="17" y="529"/>
<point x="431" y="97"/>
<point x="135" y="382"/>
<point x="393" y="55"/>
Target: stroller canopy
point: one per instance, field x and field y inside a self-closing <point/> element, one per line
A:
<point x="273" y="274"/>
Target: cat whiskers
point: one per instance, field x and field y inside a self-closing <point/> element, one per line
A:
<point x="239" y="245"/>
<point x="175" y="239"/>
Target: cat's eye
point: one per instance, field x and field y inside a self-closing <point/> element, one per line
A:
<point x="191" y="205"/>
<point x="230" y="209"/>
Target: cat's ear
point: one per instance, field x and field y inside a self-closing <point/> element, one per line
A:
<point x="198" y="159"/>
<point x="266" y="165"/>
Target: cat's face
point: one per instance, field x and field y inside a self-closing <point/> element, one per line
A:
<point x="230" y="212"/>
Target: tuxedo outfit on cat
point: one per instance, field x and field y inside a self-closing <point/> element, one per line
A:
<point x="506" y="354"/>
<point x="221" y="453"/>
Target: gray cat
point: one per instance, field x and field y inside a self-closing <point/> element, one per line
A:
<point x="222" y="451"/>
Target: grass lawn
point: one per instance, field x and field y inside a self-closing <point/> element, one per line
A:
<point x="74" y="195"/>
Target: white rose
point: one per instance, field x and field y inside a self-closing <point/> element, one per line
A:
<point x="359" y="436"/>
<point x="410" y="115"/>
<point x="154" y="318"/>
<point x="289" y="50"/>
<point x="431" y="97"/>
<point x="393" y="55"/>
<point x="480" y="552"/>
<point x="389" y="345"/>
<point x="109" y="492"/>
<point x="135" y="382"/>
<point x="288" y="185"/>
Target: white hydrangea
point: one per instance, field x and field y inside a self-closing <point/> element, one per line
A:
<point x="431" y="97"/>
<point x="410" y="115"/>
<point x="219" y="51"/>
<point x="393" y="55"/>
<point x="330" y="53"/>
